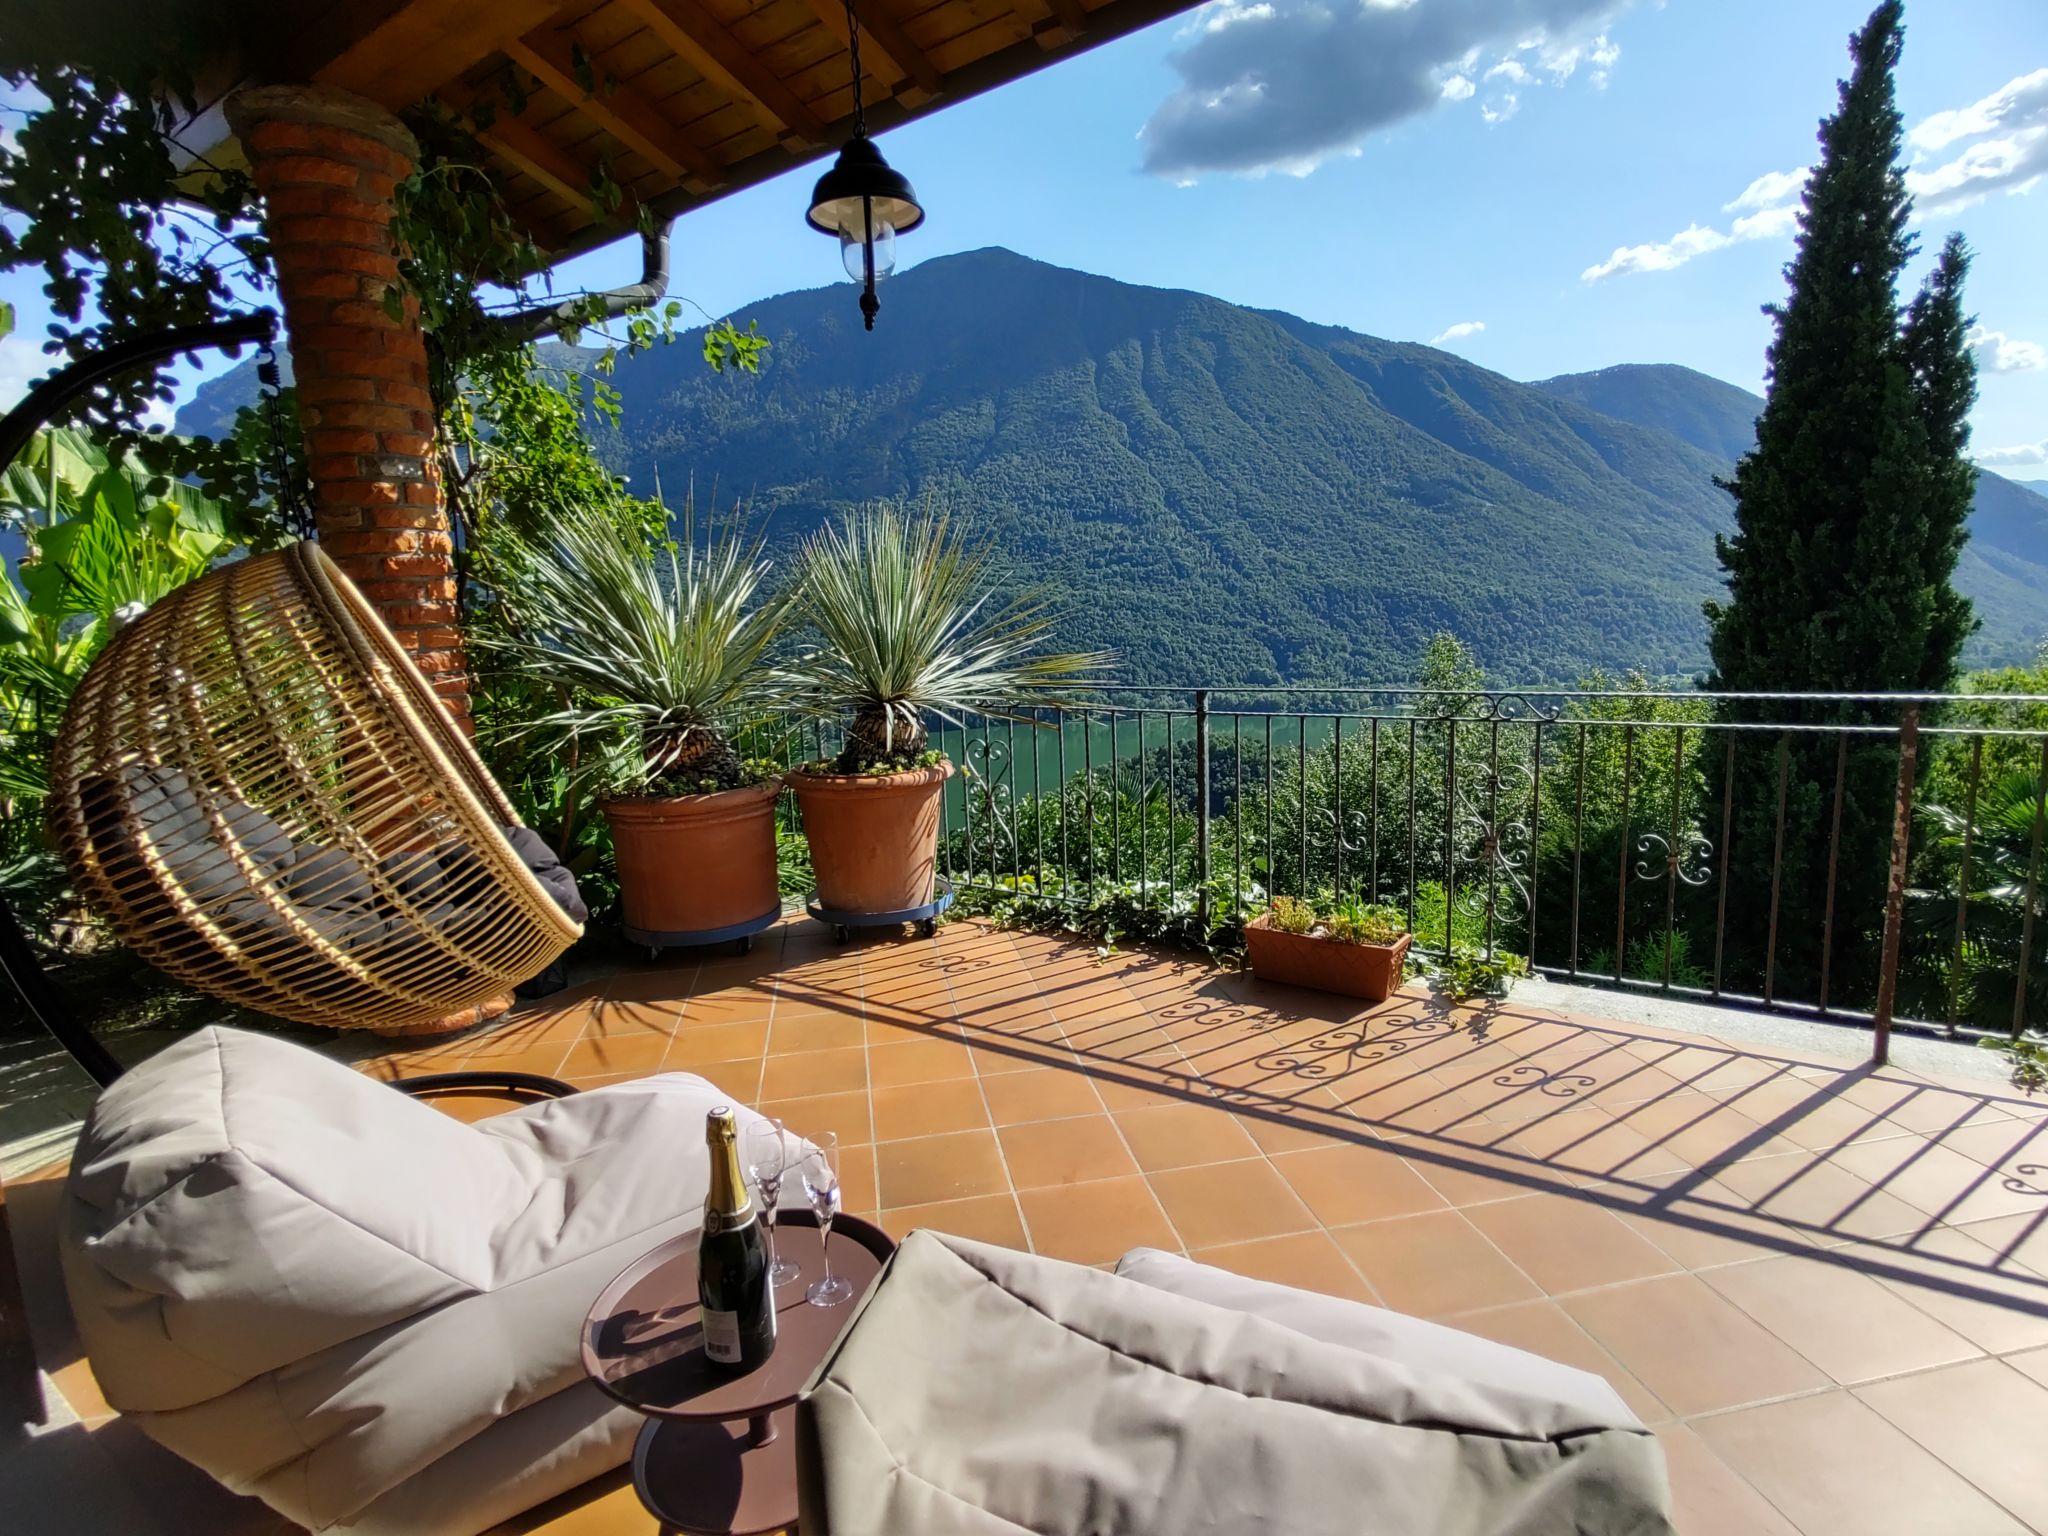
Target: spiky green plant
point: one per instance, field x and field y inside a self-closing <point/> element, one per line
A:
<point x="899" y="604"/>
<point x="654" y="651"/>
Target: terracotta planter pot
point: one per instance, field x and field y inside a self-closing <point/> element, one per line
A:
<point x="874" y="840"/>
<point x="696" y="869"/>
<point x="1370" y="971"/>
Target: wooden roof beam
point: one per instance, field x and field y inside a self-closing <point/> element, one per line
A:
<point x="904" y="59"/>
<point x="621" y="112"/>
<point x="526" y="149"/>
<point x="690" y="31"/>
<point x="1067" y="20"/>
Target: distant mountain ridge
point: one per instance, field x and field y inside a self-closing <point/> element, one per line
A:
<point x="1230" y="495"/>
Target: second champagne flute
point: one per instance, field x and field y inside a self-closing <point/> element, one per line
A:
<point x="820" y="1173"/>
<point x="766" y="1146"/>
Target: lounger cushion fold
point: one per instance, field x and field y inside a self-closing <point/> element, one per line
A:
<point x="366" y="1312"/>
<point x="983" y="1390"/>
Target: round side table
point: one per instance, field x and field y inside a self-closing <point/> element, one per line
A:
<point x="717" y="1456"/>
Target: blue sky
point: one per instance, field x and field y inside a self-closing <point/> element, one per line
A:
<point x="1422" y="168"/>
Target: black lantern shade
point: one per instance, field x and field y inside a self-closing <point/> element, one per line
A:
<point x="866" y="203"/>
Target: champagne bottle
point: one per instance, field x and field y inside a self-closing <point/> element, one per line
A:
<point x="733" y="1289"/>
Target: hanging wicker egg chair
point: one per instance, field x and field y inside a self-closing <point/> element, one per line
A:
<point x="261" y="793"/>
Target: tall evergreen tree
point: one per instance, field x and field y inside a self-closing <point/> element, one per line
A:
<point x="1849" y="520"/>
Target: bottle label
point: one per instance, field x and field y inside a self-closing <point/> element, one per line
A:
<point x="722" y="1337"/>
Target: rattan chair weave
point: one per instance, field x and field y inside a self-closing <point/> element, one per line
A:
<point x="259" y="790"/>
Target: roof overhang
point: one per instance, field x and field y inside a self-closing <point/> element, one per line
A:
<point x="679" y="102"/>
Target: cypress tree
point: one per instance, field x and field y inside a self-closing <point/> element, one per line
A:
<point x="1849" y="519"/>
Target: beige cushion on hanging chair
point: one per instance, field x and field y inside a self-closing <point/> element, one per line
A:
<point x="367" y="1313"/>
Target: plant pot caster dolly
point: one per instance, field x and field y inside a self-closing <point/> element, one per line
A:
<point x="924" y="918"/>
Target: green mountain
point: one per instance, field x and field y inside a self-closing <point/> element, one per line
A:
<point x="2004" y="568"/>
<point x="1221" y="494"/>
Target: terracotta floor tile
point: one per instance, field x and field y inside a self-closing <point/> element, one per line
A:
<point x="1307" y="1125"/>
<point x="1185" y="1136"/>
<point x="926" y="1109"/>
<point x="733" y="1005"/>
<point x="1997" y="1304"/>
<point x="1707" y="1497"/>
<point x="814" y="1072"/>
<point x="1699" y="1223"/>
<point x="1941" y="1181"/>
<point x="739" y="1079"/>
<point x="918" y="1061"/>
<point x="980" y="1218"/>
<point x="632" y="1016"/>
<point x="1309" y="1261"/>
<point x="1592" y="1146"/>
<point x="1700" y="1130"/>
<point x="694" y="1042"/>
<point x="1064" y="1152"/>
<point x="845" y="1115"/>
<point x="1844" y="1322"/>
<point x="1565" y="1243"/>
<point x="619" y="1053"/>
<point x="1162" y="1078"/>
<point x="1434" y="1263"/>
<point x="1837" y="1467"/>
<point x="1230" y="1203"/>
<point x="1809" y="1114"/>
<point x="2015" y="1239"/>
<point x="655" y="982"/>
<point x="859" y="1187"/>
<point x="1045" y="1093"/>
<point x="815" y="1032"/>
<point x="1343" y="1185"/>
<point x="1984" y="1420"/>
<point x="2033" y="1364"/>
<point x="1545" y="1328"/>
<point x="1491" y="1167"/>
<point x="1695" y="1349"/>
<point x="1097" y="1222"/>
<point x="1830" y="1204"/>
<point x="934" y="1168"/>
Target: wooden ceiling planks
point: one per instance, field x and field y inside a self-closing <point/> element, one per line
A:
<point x="679" y="101"/>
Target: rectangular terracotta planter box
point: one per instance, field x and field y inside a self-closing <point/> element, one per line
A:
<point x="1370" y="971"/>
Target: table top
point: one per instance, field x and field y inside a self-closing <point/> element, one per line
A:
<point x="643" y="1343"/>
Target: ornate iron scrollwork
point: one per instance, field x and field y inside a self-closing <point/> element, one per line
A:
<point x="1690" y="862"/>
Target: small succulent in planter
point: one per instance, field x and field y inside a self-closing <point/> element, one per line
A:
<point x="1354" y="947"/>
<point x="903" y="626"/>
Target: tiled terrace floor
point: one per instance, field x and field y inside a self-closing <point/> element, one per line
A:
<point x="1822" y="1283"/>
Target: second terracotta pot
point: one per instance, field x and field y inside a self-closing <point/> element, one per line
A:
<point x="874" y="839"/>
<point x="695" y="869"/>
<point x="1370" y="971"/>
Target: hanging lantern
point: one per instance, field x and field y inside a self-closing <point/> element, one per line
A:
<point x="862" y="200"/>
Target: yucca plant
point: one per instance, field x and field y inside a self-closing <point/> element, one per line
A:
<point x="654" y="651"/>
<point x="900" y="608"/>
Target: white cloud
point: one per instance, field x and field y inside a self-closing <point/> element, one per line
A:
<point x="1770" y="190"/>
<point x="1774" y="197"/>
<point x="2012" y="458"/>
<point x="2010" y="152"/>
<point x="1457" y="332"/>
<point x="1997" y="352"/>
<point x="1288" y="84"/>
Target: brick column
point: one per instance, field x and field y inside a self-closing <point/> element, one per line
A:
<point x="327" y="164"/>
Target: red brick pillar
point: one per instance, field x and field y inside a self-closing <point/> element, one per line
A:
<point x="327" y="164"/>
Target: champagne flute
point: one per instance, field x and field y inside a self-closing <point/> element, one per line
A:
<point x="820" y="1173"/>
<point x="765" y="1147"/>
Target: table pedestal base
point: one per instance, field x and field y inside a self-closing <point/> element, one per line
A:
<point x="707" y="1477"/>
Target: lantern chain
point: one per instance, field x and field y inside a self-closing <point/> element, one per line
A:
<point x="860" y="119"/>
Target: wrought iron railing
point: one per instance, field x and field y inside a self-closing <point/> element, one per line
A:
<point x="1856" y="857"/>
